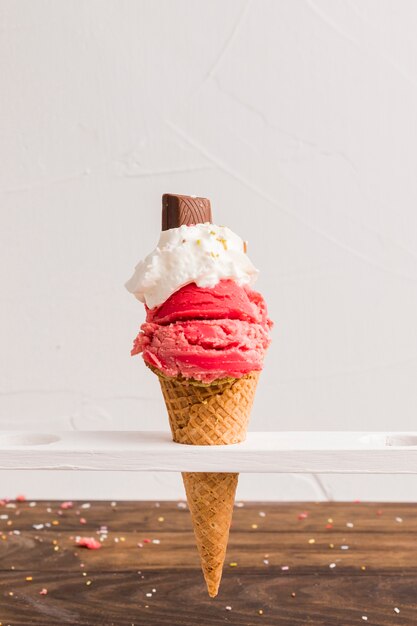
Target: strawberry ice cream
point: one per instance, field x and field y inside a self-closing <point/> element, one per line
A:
<point x="206" y="334"/>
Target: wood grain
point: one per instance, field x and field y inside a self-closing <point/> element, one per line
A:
<point x="121" y="573"/>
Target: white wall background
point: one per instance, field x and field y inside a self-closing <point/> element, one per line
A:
<point x="298" y="118"/>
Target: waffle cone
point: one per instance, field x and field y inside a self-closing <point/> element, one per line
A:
<point x="215" y="414"/>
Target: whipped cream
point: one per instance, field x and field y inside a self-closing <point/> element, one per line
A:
<point x="203" y="254"/>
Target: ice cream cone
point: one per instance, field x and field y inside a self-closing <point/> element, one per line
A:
<point x="210" y="414"/>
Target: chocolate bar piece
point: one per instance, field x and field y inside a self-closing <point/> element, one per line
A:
<point x="178" y="210"/>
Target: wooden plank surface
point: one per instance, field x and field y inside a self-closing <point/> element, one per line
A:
<point x="287" y="564"/>
<point x="285" y="452"/>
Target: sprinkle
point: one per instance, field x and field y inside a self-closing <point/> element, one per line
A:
<point x="285" y="568"/>
<point x="86" y="505"/>
<point x="140" y="545"/>
<point x="266" y="561"/>
<point x="113" y="504"/>
<point x="156" y="541"/>
<point x="329" y="526"/>
<point x="344" y="547"/>
<point x="396" y="610"/>
<point x="20" y="498"/>
<point x="254" y="526"/>
<point x="399" y="519"/>
<point x="153" y="590"/>
<point x="363" y="567"/>
<point x="260" y="612"/>
<point x="67" y="505"/>
<point x="55" y="522"/>
<point x="293" y="594"/>
<point x="330" y="520"/>
<point x="245" y="247"/>
<point x="262" y="514"/>
<point x="56" y="548"/>
<point x="349" y="524"/>
<point x="182" y="505"/>
<point x="228" y="608"/>
<point x="88" y="583"/>
<point x="239" y="505"/>
<point x="331" y="546"/>
<point x="11" y="593"/>
<point x="311" y="541"/>
<point x="302" y="515"/>
<point x="379" y="512"/>
<point x="198" y="242"/>
<point x="29" y="578"/>
<point x="161" y="519"/>
<point x="38" y="526"/>
<point x="233" y="564"/>
<point x="43" y="592"/>
<point x="365" y="619"/>
<point x="87" y="542"/>
<point x="332" y="565"/>
<point x="83" y="520"/>
<point x="149" y="595"/>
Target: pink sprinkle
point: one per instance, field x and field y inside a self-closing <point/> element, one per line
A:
<point x="67" y="505"/>
<point x="356" y="501"/>
<point x="146" y="541"/>
<point x="140" y="545"/>
<point x="20" y="498"/>
<point x="303" y="515"/>
<point x="83" y="520"/>
<point x="43" y="592"/>
<point x="88" y="542"/>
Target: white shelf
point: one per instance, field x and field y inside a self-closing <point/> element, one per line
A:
<point x="280" y="452"/>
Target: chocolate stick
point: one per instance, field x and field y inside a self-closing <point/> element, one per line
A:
<point x="178" y="210"/>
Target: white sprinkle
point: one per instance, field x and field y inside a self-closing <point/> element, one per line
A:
<point x="332" y="565"/>
<point x="349" y="524"/>
<point x="49" y="510"/>
<point x="285" y="568"/>
<point x="181" y="505"/>
<point x="397" y="610"/>
<point x="38" y="526"/>
<point x="228" y="608"/>
<point x="149" y="595"/>
<point x="4" y="517"/>
<point x="344" y="547"/>
<point x="113" y="503"/>
<point x="262" y="514"/>
<point x="239" y="505"/>
<point x="16" y="532"/>
<point x="10" y="505"/>
<point x="399" y="519"/>
<point x="86" y="505"/>
<point x="266" y="561"/>
<point x="157" y="541"/>
<point x="32" y="504"/>
<point x="153" y="590"/>
<point x="365" y="619"/>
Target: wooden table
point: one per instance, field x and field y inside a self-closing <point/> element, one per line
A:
<point x="287" y="564"/>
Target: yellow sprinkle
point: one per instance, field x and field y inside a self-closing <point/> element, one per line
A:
<point x="122" y="538"/>
<point x="9" y="523"/>
<point x="4" y="537"/>
<point x="233" y="564"/>
<point x="260" y="612"/>
<point x="363" y="567"/>
<point x="55" y="542"/>
<point x="11" y="593"/>
<point x="88" y="583"/>
<point x="214" y="255"/>
<point x="254" y="525"/>
<point x="330" y="520"/>
<point x="311" y="541"/>
<point x="29" y="578"/>
<point x="56" y="548"/>
<point x="198" y="242"/>
<point x="161" y="519"/>
<point x="84" y="573"/>
<point x="331" y="545"/>
<point x="223" y="242"/>
<point x="212" y="232"/>
<point x="55" y="522"/>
